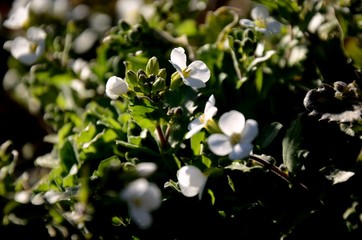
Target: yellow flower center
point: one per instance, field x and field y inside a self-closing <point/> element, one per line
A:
<point x="137" y="202"/>
<point x="202" y="118"/>
<point x="261" y="23"/>
<point x="33" y="47"/>
<point x="235" y="138"/>
<point x="186" y="72"/>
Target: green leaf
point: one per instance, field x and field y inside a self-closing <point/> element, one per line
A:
<point x="293" y="154"/>
<point x="197" y="143"/>
<point x="231" y="183"/>
<point x="138" y="148"/>
<point x="111" y="162"/>
<point x="211" y="193"/>
<point x="268" y="134"/>
<point x="68" y="156"/>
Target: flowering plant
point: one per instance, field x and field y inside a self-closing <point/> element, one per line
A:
<point x="184" y="120"/>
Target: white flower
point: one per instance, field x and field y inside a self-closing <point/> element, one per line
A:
<point x="28" y="50"/>
<point x="194" y="75"/>
<point x="198" y="123"/>
<point x="142" y="197"/>
<point x="81" y="67"/>
<point x="262" y="22"/>
<point x="130" y="10"/>
<point x="115" y="87"/>
<point x="54" y="8"/>
<point x="191" y="181"/>
<point x="145" y="169"/>
<point x="236" y="138"/>
<point x="18" y="18"/>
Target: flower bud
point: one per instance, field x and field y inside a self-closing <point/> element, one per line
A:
<point x="115" y="87"/>
<point x="162" y="73"/>
<point x="158" y="85"/>
<point x="152" y="66"/>
<point x="131" y="76"/>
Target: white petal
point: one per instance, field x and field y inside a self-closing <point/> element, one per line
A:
<point x="151" y="198"/>
<point x="115" y="87"/>
<point x="199" y="70"/>
<point x="211" y="111"/>
<point x="141" y="217"/>
<point x="194" y="127"/>
<point x="241" y="151"/>
<point x="191" y="180"/>
<point x="210" y="103"/>
<point x="20" y="49"/>
<point x="246" y="22"/>
<point x="145" y="169"/>
<point x="135" y="189"/>
<point x="36" y="34"/>
<point x="232" y="122"/>
<point x="20" y="46"/>
<point x="250" y="131"/>
<point x="219" y="144"/>
<point x="193" y="82"/>
<point x="18" y="19"/>
<point x="274" y="26"/>
<point x="316" y="22"/>
<point x="259" y="12"/>
<point x="178" y="57"/>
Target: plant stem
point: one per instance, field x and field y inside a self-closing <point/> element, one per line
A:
<point x="276" y="170"/>
<point x="161" y="137"/>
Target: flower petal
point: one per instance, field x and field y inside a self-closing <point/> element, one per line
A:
<point x="194" y="82"/>
<point x="135" y="189"/>
<point x="141" y="217"/>
<point x="191" y="180"/>
<point x="146" y="169"/>
<point x="241" y="151"/>
<point x="151" y="198"/>
<point x="194" y="127"/>
<point x="210" y="109"/>
<point x="36" y="34"/>
<point x="20" y="49"/>
<point x="178" y="57"/>
<point x="199" y="70"/>
<point x="115" y="87"/>
<point x="246" y="22"/>
<point x="232" y="122"/>
<point x="274" y="26"/>
<point x="250" y="131"/>
<point x="219" y="144"/>
<point x="259" y="12"/>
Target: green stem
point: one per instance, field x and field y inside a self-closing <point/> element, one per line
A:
<point x="276" y="170"/>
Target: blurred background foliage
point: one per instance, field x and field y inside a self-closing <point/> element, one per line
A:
<point x="67" y="150"/>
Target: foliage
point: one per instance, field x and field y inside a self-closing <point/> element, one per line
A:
<point x="296" y="92"/>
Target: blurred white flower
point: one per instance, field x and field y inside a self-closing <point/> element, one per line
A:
<point x="19" y="16"/>
<point x="130" y="10"/>
<point x="145" y="169"/>
<point x="262" y="22"/>
<point x="85" y="41"/>
<point x="54" y="8"/>
<point x="194" y="75"/>
<point x="198" y="123"/>
<point x="142" y="197"/>
<point x="191" y="181"/>
<point x="236" y="139"/>
<point x="115" y="87"/>
<point x="28" y="50"/>
<point x="81" y="67"/>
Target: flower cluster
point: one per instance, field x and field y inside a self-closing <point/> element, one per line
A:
<point x="165" y="118"/>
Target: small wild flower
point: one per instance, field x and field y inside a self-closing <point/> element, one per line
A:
<point x="236" y="137"/>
